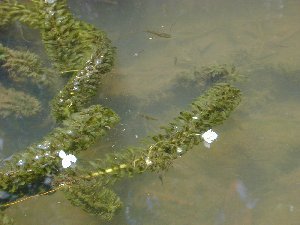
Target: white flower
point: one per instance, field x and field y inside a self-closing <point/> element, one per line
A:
<point x="179" y="150"/>
<point x="148" y="161"/>
<point x="209" y="136"/>
<point x="67" y="160"/>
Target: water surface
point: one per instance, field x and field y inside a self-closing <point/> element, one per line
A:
<point x="250" y="175"/>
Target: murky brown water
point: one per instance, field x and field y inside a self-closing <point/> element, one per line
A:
<point x="251" y="174"/>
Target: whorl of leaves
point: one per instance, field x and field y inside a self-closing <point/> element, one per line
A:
<point x="68" y="41"/>
<point x="71" y="45"/>
<point x="25" y="66"/>
<point x="17" y="104"/>
<point x="82" y="86"/>
<point x="12" y="10"/>
<point x="93" y="197"/>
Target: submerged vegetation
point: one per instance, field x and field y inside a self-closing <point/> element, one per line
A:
<point x="17" y="104"/>
<point x="24" y="66"/>
<point x="41" y="160"/>
<point x="85" y="54"/>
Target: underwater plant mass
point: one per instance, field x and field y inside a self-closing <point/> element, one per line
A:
<point x="83" y="53"/>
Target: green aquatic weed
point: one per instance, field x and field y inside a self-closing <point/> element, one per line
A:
<point x="17" y="104"/>
<point x="85" y="53"/>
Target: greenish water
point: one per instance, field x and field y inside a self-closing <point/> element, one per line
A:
<point x="250" y="175"/>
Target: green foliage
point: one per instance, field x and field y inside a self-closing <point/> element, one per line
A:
<point x="206" y="76"/>
<point x="5" y="220"/>
<point x="93" y="197"/>
<point x="68" y="42"/>
<point x="72" y="45"/>
<point x="17" y="104"/>
<point x="78" y="48"/>
<point x="12" y="10"/>
<point x="23" y="66"/>
<point x="216" y="72"/>
<point x="210" y="109"/>
<point x="41" y="159"/>
<point x="83" y="85"/>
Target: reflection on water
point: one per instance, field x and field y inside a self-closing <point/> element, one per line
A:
<point x="250" y="175"/>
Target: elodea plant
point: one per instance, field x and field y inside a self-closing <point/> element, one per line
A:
<point x="86" y="55"/>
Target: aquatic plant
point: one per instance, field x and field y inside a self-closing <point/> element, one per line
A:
<point x="41" y="160"/>
<point x="5" y="220"/>
<point x="73" y="47"/>
<point x="207" y="76"/>
<point x="25" y="66"/>
<point x="210" y="109"/>
<point x="82" y="86"/>
<point x="103" y="201"/>
<point x="69" y="42"/>
<point x="85" y="53"/>
<point x="17" y="103"/>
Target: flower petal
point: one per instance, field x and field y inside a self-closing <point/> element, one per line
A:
<point x="209" y="136"/>
<point x="72" y="158"/>
<point x="65" y="163"/>
<point x="62" y="154"/>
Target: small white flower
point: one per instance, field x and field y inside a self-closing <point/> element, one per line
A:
<point x="67" y="160"/>
<point x="148" y="161"/>
<point x="195" y="117"/>
<point x="209" y="136"/>
<point x="179" y="150"/>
